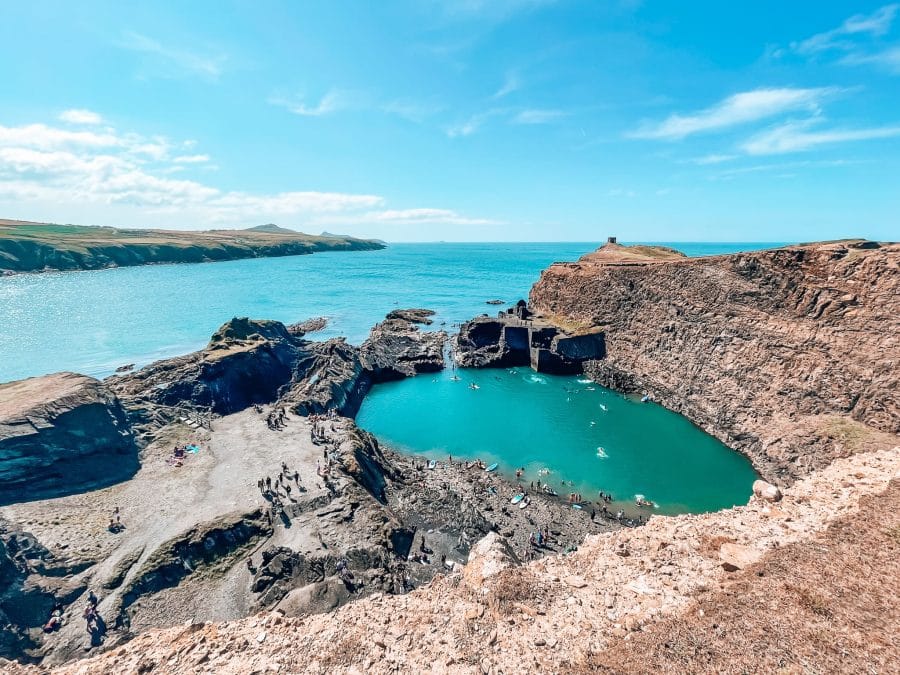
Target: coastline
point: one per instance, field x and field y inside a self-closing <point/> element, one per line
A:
<point x="40" y="247"/>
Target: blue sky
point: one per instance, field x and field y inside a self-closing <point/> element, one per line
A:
<point x="461" y="120"/>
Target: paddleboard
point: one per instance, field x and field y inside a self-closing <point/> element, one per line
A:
<point x="492" y="467"/>
<point x="519" y="497"/>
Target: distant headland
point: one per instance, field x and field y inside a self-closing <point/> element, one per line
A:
<point x="37" y="247"/>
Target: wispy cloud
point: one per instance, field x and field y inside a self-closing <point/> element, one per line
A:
<point x="872" y="25"/>
<point x="80" y="116"/>
<point x="887" y="58"/>
<point x="333" y="101"/>
<point x="780" y="167"/>
<point x="538" y="116"/>
<point x="174" y="60"/>
<point x="799" y="137"/>
<point x="425" y="216"/>
<point x="411" y="110"/>
<point x="511" y="84"/>
<point x="621" y="192"/>
<point x="738" y="109"/>
<point x="473" y="123"/>
<point x="706" y="160"/>
<point x="191" y="159"/>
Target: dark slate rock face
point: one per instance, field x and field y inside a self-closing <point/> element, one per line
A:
<point x="246" y="361"/>
<point x="396" y="348"/>
<point x="61" y="434"/>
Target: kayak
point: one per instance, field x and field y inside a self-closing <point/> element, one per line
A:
<point x="519" y="497"/>
<point x="524" y="503"/>
<point x="431" y="464"/>
<point x="492" y="467"/>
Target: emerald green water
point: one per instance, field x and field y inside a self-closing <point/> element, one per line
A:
<point x="583" y="433"/>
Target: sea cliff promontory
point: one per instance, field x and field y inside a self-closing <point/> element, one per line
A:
<point x="37" y="247"/>
<point x="789" y="355"/>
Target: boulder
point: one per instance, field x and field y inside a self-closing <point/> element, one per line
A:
<point x="316" y="598"/>
<point x="766" y="491"/>
<point x="737" y="556"/>
<point x="487" y="558"/>
<point x="61" y="434"/>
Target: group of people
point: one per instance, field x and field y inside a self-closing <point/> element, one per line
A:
<point x="115" y="521"/>
<point x="94" y="624"/>
<point x="179" y="452"/>
<point x="272" y="491"/>
<point x="276" y="419"/>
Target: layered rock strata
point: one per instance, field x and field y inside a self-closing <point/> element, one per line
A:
<point x="396" y="348"/>
<point x="789" y="355"/>
<point x="60" y="434"/>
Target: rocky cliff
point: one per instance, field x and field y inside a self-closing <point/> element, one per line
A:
<point x="61" y="434"/>
<point x="35" y="247"/>
<point x="790" y="355"/>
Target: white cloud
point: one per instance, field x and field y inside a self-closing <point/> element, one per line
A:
<point x="474" y="123"/>
<point x="798" y="137"/>
<point x="425" y="216"/>
<point x="80" y="116"/>
<point x="331" y="102"/>
<point x="874" y="25"/>
<point x="742" y="108"/>
<point x="60" y="171"/>
<point x="411" y="110"/>
<point x="711" y="159"/>
<point x="887" y="58"/>
<point x="510" y="85"/>
<point x="621" y="192"/>
<point x="175" y="61"/>
<point x="538" y="116"/>
<point x="191" y="159"/>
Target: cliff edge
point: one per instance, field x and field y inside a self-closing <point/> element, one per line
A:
<point x="789" y="355"/>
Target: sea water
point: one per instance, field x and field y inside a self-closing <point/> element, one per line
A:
<point x="92" y="322"/>
<point x="566" y="432"/>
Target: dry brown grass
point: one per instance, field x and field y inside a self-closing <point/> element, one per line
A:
<point x="513" y="585"/>
<point x="827" y="605"/>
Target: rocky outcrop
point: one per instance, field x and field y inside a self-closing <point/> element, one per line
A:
<point x="789" y="355"/>
<point x="327" y="376"/>
<point x="518" y="338"/>
<point x="312" y="325"/>
<point x="246" y="361"/>
<point x="61" y="434"/>
<point x="396" y="348"/>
